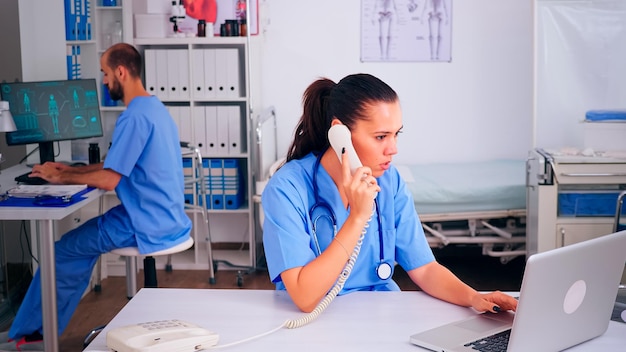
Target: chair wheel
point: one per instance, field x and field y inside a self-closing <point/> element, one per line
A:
<point x="168" y="268"/>
<point x="212" y="281"/>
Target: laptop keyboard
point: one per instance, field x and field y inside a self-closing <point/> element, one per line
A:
<point x="493" y="343"/>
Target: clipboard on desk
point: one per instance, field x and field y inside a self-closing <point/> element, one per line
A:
<point x="44" y="195"/>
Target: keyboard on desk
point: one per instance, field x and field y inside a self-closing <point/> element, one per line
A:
<point x="25" y="179"/>
<point x="492" y="343"/>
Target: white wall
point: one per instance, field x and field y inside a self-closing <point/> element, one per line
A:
<point x="477" y="107"/>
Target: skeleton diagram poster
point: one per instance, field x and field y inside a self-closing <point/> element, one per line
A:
<point x="406" y="30"/>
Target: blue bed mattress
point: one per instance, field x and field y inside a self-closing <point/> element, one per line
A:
<point x="467" y="187"/>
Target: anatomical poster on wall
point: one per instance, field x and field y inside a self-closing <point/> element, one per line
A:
<point x="406" y="30"/>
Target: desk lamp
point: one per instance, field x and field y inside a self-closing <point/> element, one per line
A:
<point x="6" y="119"/>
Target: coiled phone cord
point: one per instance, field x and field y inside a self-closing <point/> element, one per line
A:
<point x="324" y="303"/>
<point x="334" y="291"/>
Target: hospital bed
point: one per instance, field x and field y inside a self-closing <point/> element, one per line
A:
<point x="471" y="203"/>
<point x="479" y="203"/>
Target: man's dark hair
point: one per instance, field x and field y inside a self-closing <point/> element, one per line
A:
<point x="126" y="55"/>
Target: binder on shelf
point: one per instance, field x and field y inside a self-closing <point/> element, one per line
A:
<point x="180" y="115"/>
<point x="183" y="74"/>
<point x="162" y="91"/>
<point x="197" y="74"/>
<point x="210" y="73"/>
<point x="206" y="169"/>
<point x="234" y="130"/>
<point x="223" y="112"/>
<point x="233" y="184"/>
<point x="188" y="175"/>
<point x="72" y="11"/>
<point x="88" y="20"/>
<point x="172" y="68"/>
<point x="199" y="129"/>
<point x="216" y="183"/>
<point x="210" y="115"/>
<point x="227" y="73"/>
<point x="73" y="62"/>
<point x="185" y="130"/>
<point x="150" y="70"/>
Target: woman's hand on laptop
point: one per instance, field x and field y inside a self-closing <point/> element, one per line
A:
<point x="494" y="302"/>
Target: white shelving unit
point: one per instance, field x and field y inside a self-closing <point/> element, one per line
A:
<point x="232" y="229"/>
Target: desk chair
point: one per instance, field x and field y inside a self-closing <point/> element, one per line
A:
<point x="149" y="268"/>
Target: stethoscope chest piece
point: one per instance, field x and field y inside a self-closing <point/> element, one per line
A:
<point x="384" y="271"/>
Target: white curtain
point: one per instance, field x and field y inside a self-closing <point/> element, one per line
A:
<point x="580" y="58"/>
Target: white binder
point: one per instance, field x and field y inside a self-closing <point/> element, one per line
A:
<point x="183" y="74"/>
<point x="197" y="75"/>
<point x="223" y="113"/>
<point x="227" y="75"/>
<point x="150" y="71"/>
<point x="173" y="68"/>
<point x="234" y="130"/>
<point x="232" y="73"/>
<point x="185" y="130"/>
<point x="210" y="72"/>
<point x="199" y="129"/>
<point x="210" y="114"/>
<point x="161" y="74"/>
<point x="174" y="113"/>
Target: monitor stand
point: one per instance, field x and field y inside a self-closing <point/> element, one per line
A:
<point x="46" y="152"/>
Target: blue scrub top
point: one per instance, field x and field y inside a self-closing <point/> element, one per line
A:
<point x="145" y="150"/>
<point x="288" y="229"/>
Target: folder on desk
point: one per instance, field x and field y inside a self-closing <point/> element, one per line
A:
<point x="44" y="195"/>
<point x="33" y="191"/>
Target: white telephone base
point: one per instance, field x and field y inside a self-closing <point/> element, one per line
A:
<point x="161" y="336"/>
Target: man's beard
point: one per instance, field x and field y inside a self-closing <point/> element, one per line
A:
<point x="115" y="90"/>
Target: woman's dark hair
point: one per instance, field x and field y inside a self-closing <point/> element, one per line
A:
<point x="126" y="55"/>
<point x="324" y="100"/>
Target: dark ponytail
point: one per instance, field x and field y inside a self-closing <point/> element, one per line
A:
<point x="324" y="100"/>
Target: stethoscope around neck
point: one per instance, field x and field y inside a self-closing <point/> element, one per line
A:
<point x="384" y="270"/>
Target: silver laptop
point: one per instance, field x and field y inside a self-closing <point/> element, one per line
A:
<point x="566" y="298"/>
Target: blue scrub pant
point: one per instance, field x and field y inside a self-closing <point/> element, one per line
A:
<point x="76" y="254"/>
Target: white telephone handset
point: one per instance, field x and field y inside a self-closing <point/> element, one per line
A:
<point x="339" y="138"/>
<point x="161" y="336"/>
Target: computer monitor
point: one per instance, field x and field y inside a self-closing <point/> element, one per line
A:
<point x="45" y="112"/>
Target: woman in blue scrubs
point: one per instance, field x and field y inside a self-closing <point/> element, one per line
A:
<point x="316" y="211"/>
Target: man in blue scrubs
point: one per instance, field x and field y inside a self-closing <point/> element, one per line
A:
<point x="144" y="167"/>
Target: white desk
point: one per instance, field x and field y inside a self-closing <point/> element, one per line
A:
<point x="360" y="321"/>
<point x="45" y="218"/>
